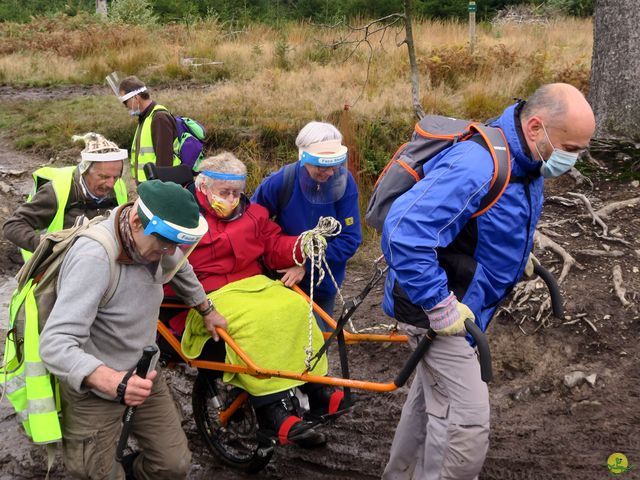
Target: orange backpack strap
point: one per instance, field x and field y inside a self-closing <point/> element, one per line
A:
<point x="499" y="150"/>
<point x="388" y="165"/>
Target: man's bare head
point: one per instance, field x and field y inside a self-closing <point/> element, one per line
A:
<point x="566" y="115"/>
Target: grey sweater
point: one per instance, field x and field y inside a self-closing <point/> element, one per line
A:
<point x="79" y="336"/>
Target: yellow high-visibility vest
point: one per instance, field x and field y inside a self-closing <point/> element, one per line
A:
<point x="146" y="154"/>
<point x="61" y="179"/>
<point x="28" y="385"/>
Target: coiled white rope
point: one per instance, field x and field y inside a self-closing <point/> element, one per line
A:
<point x="313" y="245"/>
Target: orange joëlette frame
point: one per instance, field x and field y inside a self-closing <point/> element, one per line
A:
<point x="251" y="368"/>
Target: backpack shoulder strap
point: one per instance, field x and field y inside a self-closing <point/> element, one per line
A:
<point x="160" y="108"/>
<point x="496" y="144"/>
<point x="100" y="234"/>
<point x="287" y="186"/>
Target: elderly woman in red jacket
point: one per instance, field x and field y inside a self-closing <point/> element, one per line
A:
<point x="230" y="258"/>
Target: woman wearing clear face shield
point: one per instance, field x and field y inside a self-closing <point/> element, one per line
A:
<point x="317" y="185"/>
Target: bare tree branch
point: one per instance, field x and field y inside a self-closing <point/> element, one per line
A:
<point x="600" y="253"/>
<point x="594" y="215"/>
<point x="568" y="261"/>
<point x="607" y="210"/>
<point x="357" y="36"/>
<point x="617" y="286"/>
<point x="579" y="177"/>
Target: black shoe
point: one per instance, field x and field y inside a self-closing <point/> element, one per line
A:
<point x="326" y="401"/>
<point x="127" y="465"/>
<point x="309" y="441"/>
<point x="278" y="419"/>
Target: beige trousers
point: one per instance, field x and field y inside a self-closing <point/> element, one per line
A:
<point x="443" y="433"/>
<point x="91" y="428"/>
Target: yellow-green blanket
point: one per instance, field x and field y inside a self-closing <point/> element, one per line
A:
<point x="269" y="322"/>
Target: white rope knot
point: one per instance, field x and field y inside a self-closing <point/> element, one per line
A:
<point x="313" y="245"/>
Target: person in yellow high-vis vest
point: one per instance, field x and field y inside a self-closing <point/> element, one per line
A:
<point x="93" y="352"/>
<point x="153" y="141"/>
<point x="62" y="194"/>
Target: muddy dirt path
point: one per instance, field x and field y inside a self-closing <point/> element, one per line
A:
<point x="15" y="184"/>
<point x="541" y="428"/>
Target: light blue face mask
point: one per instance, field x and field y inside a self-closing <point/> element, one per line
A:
<point x="135" y="112"/>
<point x="559" y="161"/>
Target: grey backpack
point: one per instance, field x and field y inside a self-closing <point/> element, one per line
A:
<point x="37" y="279"/>
<point x="432" y="135"/>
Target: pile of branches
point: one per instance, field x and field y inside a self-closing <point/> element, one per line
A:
<point x="525" y="13"/>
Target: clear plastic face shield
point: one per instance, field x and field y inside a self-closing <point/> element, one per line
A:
<point x="114" y="80"/>
<point x="323" y="172"/>
<point x="169" y="235"/>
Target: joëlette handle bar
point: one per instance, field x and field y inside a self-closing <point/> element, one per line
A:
<point x="483" y="349"/>
<point x="141" y="370"/>
<point x="554" y="292"/>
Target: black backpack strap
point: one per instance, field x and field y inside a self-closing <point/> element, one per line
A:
<point x="496" y="144"/>
<point x="287" y="186"/>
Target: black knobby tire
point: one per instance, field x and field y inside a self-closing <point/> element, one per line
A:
<point x="237" y="444"/>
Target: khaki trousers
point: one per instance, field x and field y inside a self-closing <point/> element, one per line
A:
<point x="91" y="428"/>
<point x="443" y="433"/>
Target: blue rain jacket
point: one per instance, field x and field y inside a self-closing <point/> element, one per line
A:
<point x="299" y="215"/>
<point x="433" y="246"/>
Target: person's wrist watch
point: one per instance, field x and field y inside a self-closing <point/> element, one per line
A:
<point x="207" y="310"/>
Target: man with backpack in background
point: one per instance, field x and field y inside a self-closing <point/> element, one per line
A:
<point x="60" y="195"/>
<point x="161" y="138"/>
<point x="92" y="343"/>
<point x="447" y="266"/>
<point x="156" y="130"/>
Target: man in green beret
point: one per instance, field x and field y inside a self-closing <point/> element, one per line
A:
<point x="93" y="347"/>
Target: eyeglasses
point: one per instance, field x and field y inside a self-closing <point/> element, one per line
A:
<point x="225" y="193"/>
<point x="165" y="245"/>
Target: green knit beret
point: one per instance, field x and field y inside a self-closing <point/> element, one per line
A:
<point x="170" y="202"/>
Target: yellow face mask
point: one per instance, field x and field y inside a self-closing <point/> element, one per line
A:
<point x="222" y="207"/>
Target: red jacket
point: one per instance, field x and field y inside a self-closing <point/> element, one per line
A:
<point x="231" y="250"/>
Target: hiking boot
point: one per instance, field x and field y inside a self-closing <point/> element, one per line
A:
<point x="277" y="419"/>
<point x="325" y="400"/>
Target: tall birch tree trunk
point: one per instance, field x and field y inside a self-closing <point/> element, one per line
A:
<point x="101" y="7"/>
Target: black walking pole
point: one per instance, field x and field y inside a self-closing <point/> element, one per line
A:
<point x="141" y="370"/>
